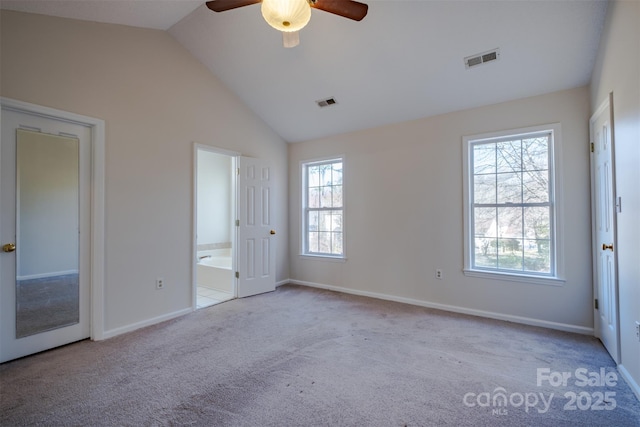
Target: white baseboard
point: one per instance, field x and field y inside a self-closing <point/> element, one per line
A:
<point x="282" y="282"/>
<point x="635" y="387"/>
<point x="491" y="315"/>
<point x="132" y="327"/>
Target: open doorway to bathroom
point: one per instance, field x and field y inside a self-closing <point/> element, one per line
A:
<point x="215" y="184"/>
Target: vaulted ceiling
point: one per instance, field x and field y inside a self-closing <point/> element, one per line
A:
<point x="404" y="61"/>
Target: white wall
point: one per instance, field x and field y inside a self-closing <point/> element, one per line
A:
<point x="214" y="198"/>
<point x="403" y="200"/>
<point x="617" y="70"/>
<point x="156" y="101"/>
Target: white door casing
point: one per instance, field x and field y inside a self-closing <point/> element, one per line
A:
<point x="604" y="235"/>
<point x="256" y="232"/>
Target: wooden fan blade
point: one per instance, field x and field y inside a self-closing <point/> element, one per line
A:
<point x="346" y="8"/>
<point x="222" y="5"/>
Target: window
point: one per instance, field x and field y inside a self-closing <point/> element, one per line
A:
<point x="511" y="209"/>
<point x="323" y="208"/>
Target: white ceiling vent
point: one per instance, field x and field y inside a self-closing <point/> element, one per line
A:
<point x="326" y="102"/>
<point x="482" y="58"/>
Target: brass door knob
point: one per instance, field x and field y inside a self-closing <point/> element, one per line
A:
<point x="272" y="232"/>
<point x="9" y="247"/>
<point x="605" y="247"/>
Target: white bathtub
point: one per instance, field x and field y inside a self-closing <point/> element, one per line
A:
<point x="214" y="269"/>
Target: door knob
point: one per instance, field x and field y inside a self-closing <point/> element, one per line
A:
<point x="9" y="247"/>
<point x="605" y="247"/>
<point x="272" y="232"/>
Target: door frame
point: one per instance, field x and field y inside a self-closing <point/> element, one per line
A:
<point x="97" y="199"/>
<point x="234" y="209"/>
<point x="606" y="104"/>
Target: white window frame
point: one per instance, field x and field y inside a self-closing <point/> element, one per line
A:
<point x="304" y="247"/>
<point x="556" y="278"/>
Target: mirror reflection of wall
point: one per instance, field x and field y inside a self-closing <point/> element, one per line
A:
<point x="47" y="232"/>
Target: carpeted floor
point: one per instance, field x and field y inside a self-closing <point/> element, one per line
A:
<point x="302" y="356"/>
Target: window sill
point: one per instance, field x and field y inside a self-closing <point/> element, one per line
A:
<point x="495" y="275"/>
<point x="322" y="258"/>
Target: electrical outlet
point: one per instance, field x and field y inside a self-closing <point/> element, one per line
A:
<point x="159" y="283"/>
<point x="439" y="274"/>
<point x="638" y="329"/>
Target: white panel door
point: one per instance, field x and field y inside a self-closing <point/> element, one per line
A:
<point x="45" y="194"/>
<point x="256" y="232"/>
<point x="605" y="280"/>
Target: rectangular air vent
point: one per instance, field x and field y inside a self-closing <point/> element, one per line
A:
<point x="482" y="58"/>
<point x="326" y="102"/>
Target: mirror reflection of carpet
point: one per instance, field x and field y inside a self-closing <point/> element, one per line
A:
<point x="46" y="303"/>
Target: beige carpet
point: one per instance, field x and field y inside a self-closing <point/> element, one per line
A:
<point x="301" y="356"/>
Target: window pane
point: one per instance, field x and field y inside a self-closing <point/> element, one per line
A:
<point x="312" y="221"/>
<point x="484" y="159"/>
<point x="508" y="156"/>
<point x="337" y="196"/>
<point x="337" y="173"/>
<point x="336" y="221"/>
<point x="313" y="241"/>
<point x="325" y="174"/>
<point x="484" y="189"/>
<point x="324" y="243"/>
<point x="337" y="244"/>
<point x="537" y="256"/>
<point x="324" y="221"/>
<point x="535" y="153"/>
<point x="509" y="188"/>
<point x="537" y="222"/>
<point x="535" y="186"/>
<point x="314" y="197"/>
<point x="486" y="253"/>
<point x="325" y="197"/>
<point x="510" y="222"/>
<point x="313" y="176"/>
<point x="510" y="254"/>
<point x="485" y="222"/>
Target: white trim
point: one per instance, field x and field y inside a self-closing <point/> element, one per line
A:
<point x="455" y="309"/>
<point x="635" y="387"/>
<point x="213" y="149"/>
<point x="501" y="275"/>
<point x="50" y="274"/>
<point x="282" y="282"/>
<point x="555" y="170"/>
<point x="312" y="257"/>
<point x="132" y="327"/>
<point x="97" y="127"/>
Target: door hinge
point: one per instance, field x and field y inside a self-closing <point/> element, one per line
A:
<point x="237" y="274"/>
<point x="238" y="171"/>
<point x="237" y="223"/>
<point x="595" y="303"/>
<point x="592" y="147"/>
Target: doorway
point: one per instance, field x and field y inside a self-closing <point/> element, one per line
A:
<point x="215" y="226"/>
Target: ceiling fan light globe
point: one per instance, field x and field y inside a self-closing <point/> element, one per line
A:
<point x="286" y="15"/>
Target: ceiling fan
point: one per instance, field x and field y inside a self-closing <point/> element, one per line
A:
<point x="290" y="16"/>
